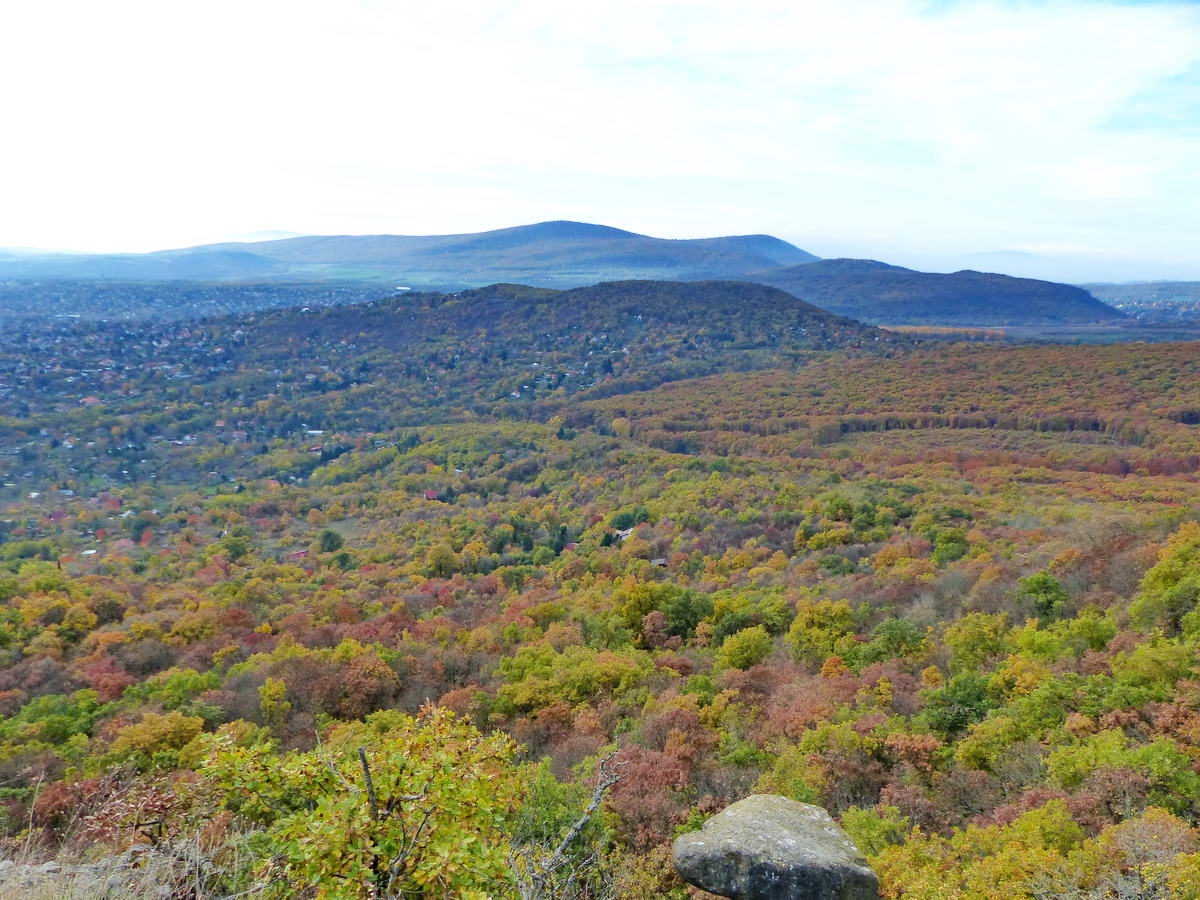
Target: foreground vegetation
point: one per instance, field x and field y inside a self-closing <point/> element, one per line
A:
<point x="394" y="641"/>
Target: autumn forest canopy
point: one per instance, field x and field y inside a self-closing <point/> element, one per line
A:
<point x="333" y="592"/>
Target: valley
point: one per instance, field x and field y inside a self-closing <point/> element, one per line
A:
<point x="944" y="589"/>
<point x="641" y="450"/>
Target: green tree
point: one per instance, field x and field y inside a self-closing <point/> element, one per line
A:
<point x="975" y="638"/>
<point x="329" y="541"/>
<point x="820" y="629"/>
<point x="391" y="807"/>
<point x="873" y="830"/>
<point x="273" y="702"/>
<point x="744" y="649"/>
<point x="894" y="638"/>
<point x="1043" y="596"/>
<point x="1170" y="589"/>
<point x="963" y="701"/>
<point x="949" y="544"/>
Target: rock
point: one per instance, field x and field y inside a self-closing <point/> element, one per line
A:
<point x="768" y="847"/>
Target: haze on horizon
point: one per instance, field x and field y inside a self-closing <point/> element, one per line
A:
<point x="1063" y="137"/>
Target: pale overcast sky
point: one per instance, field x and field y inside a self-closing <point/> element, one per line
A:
<point x="903" y="130"/>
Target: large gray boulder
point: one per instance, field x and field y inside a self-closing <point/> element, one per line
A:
<point x="768" y="847"/>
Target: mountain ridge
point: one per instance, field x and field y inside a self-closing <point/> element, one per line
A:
<point x="563" y="254"/>
<point x="881" y="293"/>
<point x="558" y="253"/>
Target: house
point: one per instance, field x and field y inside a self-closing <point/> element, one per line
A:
<point x="431" y="494"/>
<point x="659" y="561"/>
<point x="623" y="533"/>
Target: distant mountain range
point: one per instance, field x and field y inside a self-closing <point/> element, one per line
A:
<point x="879" y="293"/>
<point x="549" y="254"/>
<point x="564" y="255"/>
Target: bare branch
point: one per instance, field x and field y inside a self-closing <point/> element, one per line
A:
<point x="606" y="776"/>
<point x="374" y="803"/>
<point x="540" y="873"/>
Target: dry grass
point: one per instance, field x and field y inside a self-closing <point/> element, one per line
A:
<point x="182" y="870"/>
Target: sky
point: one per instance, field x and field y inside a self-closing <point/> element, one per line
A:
<point x="1063" y="136"/>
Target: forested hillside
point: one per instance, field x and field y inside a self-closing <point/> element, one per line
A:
<point x="505" y="351"/>
<point x="375" y="600"/>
